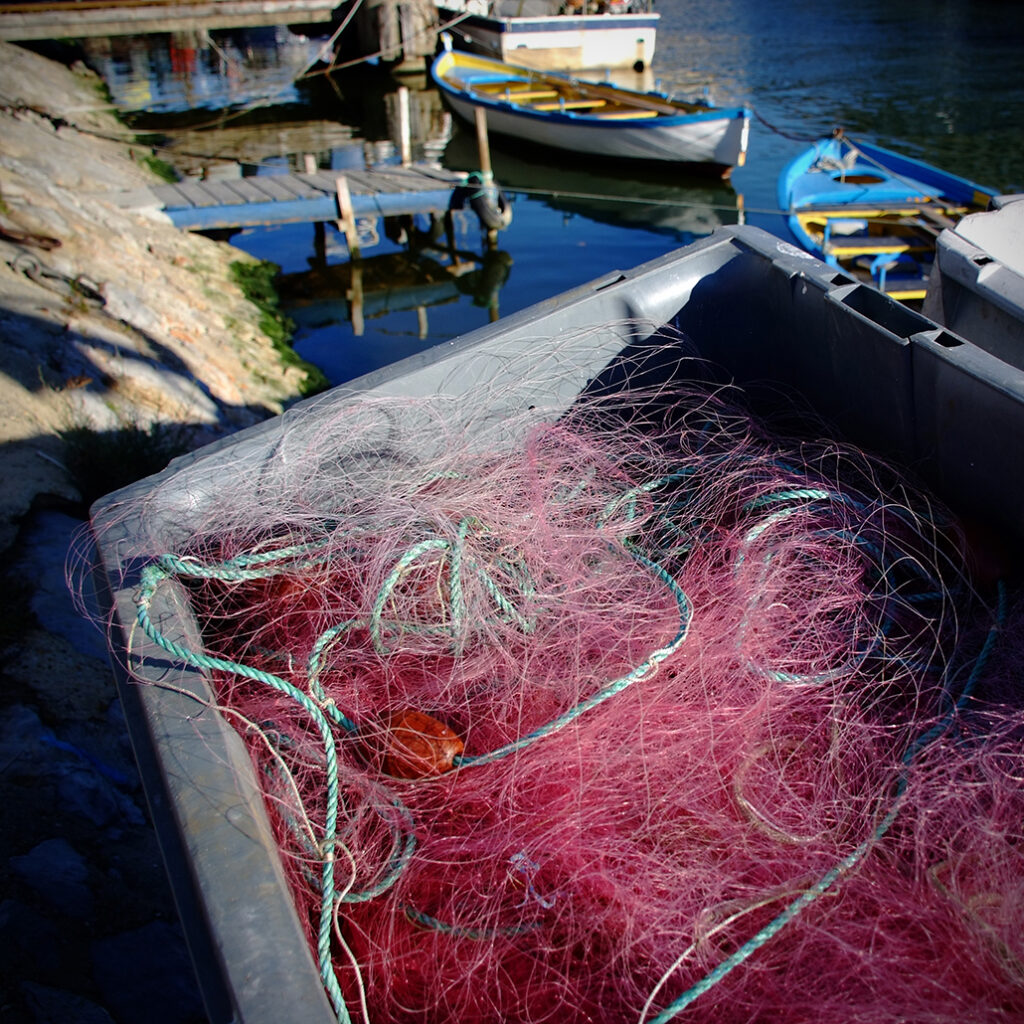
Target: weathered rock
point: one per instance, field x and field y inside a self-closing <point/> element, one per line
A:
<point x="31" y="944"/>
<point x="110" y="319"/>
<point x="145" y="976"/>
<point x="51" y="548"/>
<point x="21" y="737"/>
<point x="87" y="792"/>
<point x="53" y="1004"/>
<point x="125" y="320"/>
<point x="59" y="874"/>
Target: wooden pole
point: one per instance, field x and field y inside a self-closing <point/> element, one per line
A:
<point x="483" y="146"/>
<point x="347" y="217"/>
<point x="319" y="245"/>
<point x="404" y="133"/>
<point x="355" y="297"/>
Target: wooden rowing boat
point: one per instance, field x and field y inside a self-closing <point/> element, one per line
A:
<point x="561" y="112"/>
<point x="874" y="213"/>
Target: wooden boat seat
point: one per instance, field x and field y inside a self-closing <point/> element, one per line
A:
<point x="906" y="293"/>
<point x="570" y="105"/>
<point x="484" y="84"/>
<point x="848" y="246"/>
<point x="525" y="95"/>
<point x="626" y="115"/>
<point x="939" y="216"/>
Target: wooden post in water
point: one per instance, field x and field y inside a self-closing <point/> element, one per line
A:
<point x="355" y="298"/>
<point x="404" y="130"/>
<point x="482" y="144"/>
<point x="484" y="150"/>
<point x="347" y="217"/>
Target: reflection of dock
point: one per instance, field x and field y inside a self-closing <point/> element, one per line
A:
<point x="684" y="206"/>
<point x="295" y="198"/>
<point x="429" y="271"/>
<point x="225" y="149"/>
<point x="58" y="19"/>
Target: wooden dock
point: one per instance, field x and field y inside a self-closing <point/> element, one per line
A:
<point x="296" y="198"/>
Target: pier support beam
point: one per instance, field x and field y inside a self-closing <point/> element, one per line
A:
<point x="402" y="32"/>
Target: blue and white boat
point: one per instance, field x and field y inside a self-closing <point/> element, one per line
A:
<point x="556" y="35"/>
<point x="591" y="119"/>
<point x="874" y="213"/>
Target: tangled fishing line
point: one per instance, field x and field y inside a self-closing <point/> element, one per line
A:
<point x="631" y="712"/>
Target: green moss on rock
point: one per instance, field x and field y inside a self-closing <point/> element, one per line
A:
<point x="257" y="279"/>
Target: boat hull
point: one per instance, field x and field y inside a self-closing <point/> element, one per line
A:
<point x="714" y="140"/>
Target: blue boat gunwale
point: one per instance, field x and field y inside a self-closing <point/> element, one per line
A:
<point x="904" y="184"/>
<point x="916" y="178"/>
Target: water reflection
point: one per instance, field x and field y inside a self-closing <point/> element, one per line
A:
<point x="162" y="74"/>
<point x="353" y="120"/>
<point x="664" y="201"/>
<point x="428" y="269"/>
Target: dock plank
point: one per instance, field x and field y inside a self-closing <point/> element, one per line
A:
<point x="247" y="190"/>
<point x="270" y="185"/>
<point x="298" y="186"/>
<point x="280" y="198"/>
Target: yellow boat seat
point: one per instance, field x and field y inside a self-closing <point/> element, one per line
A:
<point x="627" y="115"/>
<point x="569" y="105"/>
<point x="849" y="246"/>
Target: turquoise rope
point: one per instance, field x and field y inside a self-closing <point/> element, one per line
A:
<point x="629" y="498"/>
<point x="827" y="880"/>
<point x="403" y="563"/>
<point x="642" y="670"/>
<point x="460" y="932"/>
<point x="249" y="566"/>
<point x="883" y="564"/>
<point x="313" y="674"/>
<point x="793" y="494"/>
<point x="456" y="554"/>
<point x="151" y="578"/>
<point x="403" y="846"/>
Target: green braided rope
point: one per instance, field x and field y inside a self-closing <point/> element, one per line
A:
<point x="456" y="598"/>
<point x="313" y="674"/>
<point x="247" y="566"/>
<point x="641" y="671"/>
<point x="629" y="498"/>
<point x="461" y="932"/>
<point x="403" y="563"/>
<point x="505" y="606"/>
<point x="883" y="563"/>
<point x="320" y="708"/>
<point x="151" y="578"/>
<point x="833" y="875"/>
<point x="403" y="845"/>
<point x="457" y="557"/>
<point x="794" y="494"/>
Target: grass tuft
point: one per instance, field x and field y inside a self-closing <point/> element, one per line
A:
<point x="102" y="461"/>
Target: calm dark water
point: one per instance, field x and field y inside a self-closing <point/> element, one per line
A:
<point x="941" y="80"/>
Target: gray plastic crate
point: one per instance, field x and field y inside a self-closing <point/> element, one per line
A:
<point x="758" y="308"/>
<point x="977" y="285"/>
